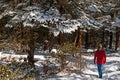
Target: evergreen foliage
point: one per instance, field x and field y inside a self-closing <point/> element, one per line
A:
<point x="67" y="51"/>
<point x="15" y="71"/>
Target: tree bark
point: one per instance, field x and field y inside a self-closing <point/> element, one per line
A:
<point x="103" y="35"/>
<point x="31" y="2"/>
<point x="31" y="47"/>
<point x="87" y="39"/>
<point x="60" y="38"/>
<point x="74" y="36"/>
<point x="79" y="38"/>
<point x="20" y="37"/>
<point x="117" y="38"/>
<point x="111" y="38"/>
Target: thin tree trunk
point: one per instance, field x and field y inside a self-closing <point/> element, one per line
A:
<point x="86" y="39"/>
<point x="103" y="35"/>
<point x="31" y="2"/>
<point x="60" y="38"/>
<point x="75" y="37"/>
<point x="107" y="39"/>
<point x="20" y="37"/>
<point x="78" y="39"/>
<point x="78" y="43"/>
<point x="111" y="38"/>
<point x="117" y="39"/>
<point x="31" y="47"/>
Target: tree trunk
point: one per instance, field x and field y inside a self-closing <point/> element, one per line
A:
<point x="31" y="47"/>
<point x="20" y="37"/>
<point x="31" y="2"/>
<point x="74" y="36"/>
<point x="50" y="38"/>
<point x="78" y="43"/>
<point x="107" y="39"/>
<point x="117" y="38"/>
<point x="16" y="2"/>
<point x="103" y="35"/>
<point x="111" y="38"/>
<point x="87" y="39"/>
<point x="46" y="45"/>
<point x="79" y="38"/>
<point x="60" y="38"/>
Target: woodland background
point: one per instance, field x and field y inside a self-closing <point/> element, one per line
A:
<point x="68" y="25"/>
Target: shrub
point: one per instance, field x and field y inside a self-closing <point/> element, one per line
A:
<point x="67" y="52"/>
<point x="17" y="71"/>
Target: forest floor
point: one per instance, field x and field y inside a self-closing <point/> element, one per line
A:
<point x="111" y="68"/>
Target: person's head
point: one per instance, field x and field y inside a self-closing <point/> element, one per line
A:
<point x="100" y="47"/>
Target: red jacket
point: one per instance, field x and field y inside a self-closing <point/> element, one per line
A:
<point x="100" y="57"/>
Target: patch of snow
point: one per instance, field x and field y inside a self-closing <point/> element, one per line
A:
<point x="91" y="50"/>
<point x="30" y="8"/>
<point x="55" y="32"/>
<point x="117" y="19"/>
<point x="116" y="24"/>
<point x="16" y="18"/>
<point x="11" y="13"/>
<point x="33" y="14"/>
<point x="9" y="25"/>
<point x="21" y="5"/>
<point x="93" y="8"/>
<point x="86" y="22"/>
<point x="28" y="24"/>
<point x="40" y="57"/>
<point x="68" y="26"/>
<point x="113" y="68"/>
<point x="54" y="51"/>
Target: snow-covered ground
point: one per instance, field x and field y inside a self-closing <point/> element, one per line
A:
<point x="111" y="68"/>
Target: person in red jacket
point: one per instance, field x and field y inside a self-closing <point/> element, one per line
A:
<point x="100" y="59"/>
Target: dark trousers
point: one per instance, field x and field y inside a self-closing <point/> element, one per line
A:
<point x="100" y="68"/>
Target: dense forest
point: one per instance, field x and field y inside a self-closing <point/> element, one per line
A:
<point x="82" y="22"/>
<point x="98" y="21"/>
<point x="27" y="25"/>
